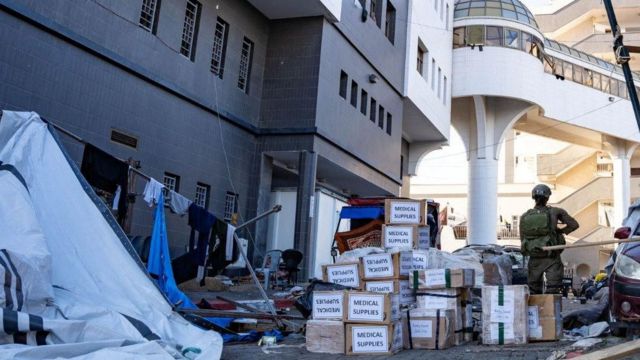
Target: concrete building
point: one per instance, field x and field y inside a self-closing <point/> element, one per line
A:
<point x="525" y="104"/>
<point x="241" y="104"/>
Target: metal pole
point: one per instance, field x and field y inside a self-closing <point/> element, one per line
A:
<point x="622" y="56"/>
<point x="275" y="209"/>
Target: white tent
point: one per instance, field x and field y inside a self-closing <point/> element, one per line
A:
<point x="73" y="285"/>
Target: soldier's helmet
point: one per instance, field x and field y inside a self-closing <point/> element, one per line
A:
<point x="540" y="191"/>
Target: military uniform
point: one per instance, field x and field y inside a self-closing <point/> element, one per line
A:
<point x="549" y="262"/>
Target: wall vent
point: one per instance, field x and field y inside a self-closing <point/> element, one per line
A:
<point x="124" y="139"/>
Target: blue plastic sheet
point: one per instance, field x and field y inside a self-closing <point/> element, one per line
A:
<point x="159" y="264"/>
<point x="361" y="212"/>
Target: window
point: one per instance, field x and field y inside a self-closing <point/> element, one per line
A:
<point x="389" y="123"/>
<point x="246" y="57"/>
<point x="372" y="110"/>
<point x="149" y="15"/>
<point x="446" y="26"/>
<point x="512" y="38"/>
<point x="439" y="82"/>
<point x="390" y="23"/>
<point x="606" y="81"/>
<point x="527" y="43"/>
<point x="202" y="195"/>
<point x="441" y="8"/>
<point x="587" y="77"/>
<point x="420" y="63"/>
<point x="568" y="70"/>
<point x="219" y="51"/>
<point x="364" y="101"/>
<point x="458" y="37"/>
<point x="475" y="35"/>
<point x="614" y="87"/>
<point x="344" y="79"/>
<point x="190" y="29"/>
<point x="444" y="91"/>
<point x="373" y="12"/>
<point x="577" y="74"/>
<point x="381" y="117"/>
<point x="171" y="181"/>
<point x="354" y="94"/>
<point x="494" y="36"/>
<point x="547" y="67"/>
<point x="622" y="89"/>
<point x="433" y="74"/>
<point x="230" y="205"/>
<point x="597" y="84"/>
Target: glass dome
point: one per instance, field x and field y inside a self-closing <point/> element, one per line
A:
<point x="508" y="9"/>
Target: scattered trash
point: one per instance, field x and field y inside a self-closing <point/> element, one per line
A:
<point x="587" y="315"/>
<point x="586" y="343"/>
<point x="589" y="331"/>
<point x="267" y="341"/>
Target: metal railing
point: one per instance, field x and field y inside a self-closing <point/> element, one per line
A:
<point x="505" y="232"/>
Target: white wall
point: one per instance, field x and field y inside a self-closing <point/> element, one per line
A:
<point x="282" y="224"/>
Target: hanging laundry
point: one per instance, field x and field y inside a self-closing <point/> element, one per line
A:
<point x="105" y="172"/>
<point x="152" y="191"/>
<point x="178" y="203"/>
<point x="159" y="264"/>
<point x="201" y="222"/>
<point x="222" y="237"/>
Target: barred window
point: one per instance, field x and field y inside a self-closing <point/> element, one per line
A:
<point x="219" y="51"/>
<point x="202" y="195"/>
<point x="230" y="205"/>
<point x="190" y="29"/>
<point x="149" y="15"/>
<point x="171" y="181"/>
<point x="245" y="65"/>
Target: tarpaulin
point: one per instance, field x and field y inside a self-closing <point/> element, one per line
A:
<point x="361" y="212"/>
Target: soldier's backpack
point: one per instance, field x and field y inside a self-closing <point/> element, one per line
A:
<point x="537" y="231"/>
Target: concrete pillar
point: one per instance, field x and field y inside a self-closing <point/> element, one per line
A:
<point x="483" y="123"/>
<point x="620" y="151"/>
<point x="263" y="203"/>
<point x="509" y="157"/>
<point x="621" y="188"/>
<point x="305" y="203"/>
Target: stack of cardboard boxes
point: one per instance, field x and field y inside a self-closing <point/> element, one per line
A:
<point x="399" y="301"/>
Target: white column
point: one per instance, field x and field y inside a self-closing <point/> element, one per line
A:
<point x="620" y="151"/>
<point x="482" y="201"/>
<point x="621" y="188"/>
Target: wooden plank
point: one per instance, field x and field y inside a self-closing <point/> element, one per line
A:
<point x="608" y="242"/>
<point x="615" y="352"/>
<point x="236" y="314"/>
<point x="241" y="305"/>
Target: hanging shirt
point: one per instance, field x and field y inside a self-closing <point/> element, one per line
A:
<point x="152" y="191"/>
<point x="178" y="203"/>
<point x="222" y="236"/>
<point x="201" y="222"/>
<point x="105" y="172"/>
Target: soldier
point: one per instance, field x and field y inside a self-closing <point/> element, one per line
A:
<point x="538" y="228"/>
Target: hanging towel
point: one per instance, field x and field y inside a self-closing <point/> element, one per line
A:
<point x="152" y="191"/>
<point x="222" y="235"/>
<point x="159" y="264"/>
<point x="105" y="172"/>
<point x="178" y="203"/>
<point x="228" y="252"/>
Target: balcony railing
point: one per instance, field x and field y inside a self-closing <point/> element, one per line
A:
<point x="504" y="232"/>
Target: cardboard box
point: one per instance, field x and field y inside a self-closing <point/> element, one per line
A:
<point x="328" y="305"/>
<point x="325" y="336"/>
<point x="545" y="318"/>
<point x="387" y="266"/>
<point x="424" y="237"/>
<point x="404" y="237"/>
<point x="419" y="260"/>
<point x="445" y="299"/>
<point x="442" y="278"/>
<point x="395" y="286"/>
<point x="368" y="308"/>
<point x="430" y="329"/>
<point x="363" y="339"/>
<point x="504" y="314"/>
<point x="405" y="211"/>
<point x="346" y="274"/>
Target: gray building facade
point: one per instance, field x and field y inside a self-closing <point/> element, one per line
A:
<point x="226" y="99"/>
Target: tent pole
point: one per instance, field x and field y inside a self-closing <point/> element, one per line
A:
<point x="271" y="308"/>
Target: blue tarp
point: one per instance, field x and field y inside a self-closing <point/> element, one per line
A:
<point x="159" y="264"/>
<point x="361" y="212"/>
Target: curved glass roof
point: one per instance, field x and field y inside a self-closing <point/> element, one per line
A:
<point x="512" y="10"/>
